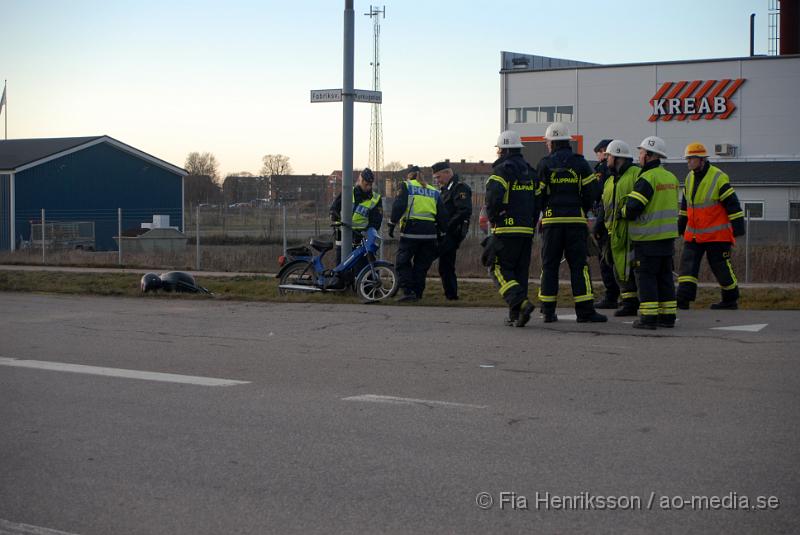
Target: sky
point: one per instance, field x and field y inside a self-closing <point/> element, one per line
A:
<point x="233" y="78"/>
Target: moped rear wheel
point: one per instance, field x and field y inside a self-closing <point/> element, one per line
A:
<point x="377" y="283"/>
<point x="300" y="274"/>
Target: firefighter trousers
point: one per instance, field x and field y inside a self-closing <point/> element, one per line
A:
<point x="511" y="269"/>
<point x="656" y="288"/>
<point x="565" y="241"/>
<point x="719" y="258"/>
<point x="612" y="285"/>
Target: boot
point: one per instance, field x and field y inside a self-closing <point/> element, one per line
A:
<point x="593" y="317"/>
<point x="525" y="313"/>
<point x="683" y="305"/>
<point x="666" y="320"/>
<point x="628" y="309"/>
<point x="724" y="305"/>
<point x="407" y="298"/>
<point x="646" y="322"/>
<point x="550" y="317"/>
<point x="606" y="303"/>
<point x="513" y="316"/>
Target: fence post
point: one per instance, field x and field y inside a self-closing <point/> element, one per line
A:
<point x="197" y="236"/>
<point x="119" y="234"/>
<point x="284" y="229"/>
<point x="747" y="247"/>
<point x="43" y="234"/>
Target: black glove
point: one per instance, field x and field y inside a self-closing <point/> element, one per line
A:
<point x="391" y="230"/>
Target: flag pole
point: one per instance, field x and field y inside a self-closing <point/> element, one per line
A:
<point x="5" y="101"/>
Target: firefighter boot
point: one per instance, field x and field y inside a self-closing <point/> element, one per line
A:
<point x="646" y="322"/>
<point x="606" y="303"/>
<point x="630" y="307"/>
<point x="525" y="313"/>
<point x="729" y="301"/>
<point x="666" y="320"/>
<point x="585" y="313"/>
<point x="549" y="312"/>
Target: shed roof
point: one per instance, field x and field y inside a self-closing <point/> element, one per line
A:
<point x="19" y="154"/>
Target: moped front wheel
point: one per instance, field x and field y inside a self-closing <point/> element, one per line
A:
<point x="377" y="282"/>
<point x="300" y="273"/>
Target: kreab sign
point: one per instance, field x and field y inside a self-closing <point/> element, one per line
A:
<point x="709" y="99"/>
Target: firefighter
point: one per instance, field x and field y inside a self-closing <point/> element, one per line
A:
<point x="602" y="172"/>
<point x="710" y="219"/>
<point x="457" y="200"/>
<point x="419" y="211"/>
<point x="617" y="250"/>
<point x="567" y="187"/>
<point x="652" y="211"/>
<point x="367" y="208"/>
<point x="512" y="209"/>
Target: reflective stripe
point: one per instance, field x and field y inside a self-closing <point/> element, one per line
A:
<point x="639" y="197"/>
<point x="687" y="278"/>
<point x="497" y="273"/>
<point x="419" y="236"/>
<point x="733" y="276"/>
<point x="504" y="288"/>
<point x="648" y="231"/>
<point x="547" y="298"/>
<point x="588" y="281"/>
<point x="727" y="194"/>
<point x="650" y="308"/>
<point x="659" y="214"/>
<point x="713" y="187"/>
<point x="628" y="295"/>
<point x="588" y="180"/>
<point x="563" y="220"/>
<point x="499" y="179"/>
<point x="515" y="230"/>
<point x="735" y="215"/>
<point x="708" y="230"/>
<point x="683" y="212"/>
<point x="582" y="298"/>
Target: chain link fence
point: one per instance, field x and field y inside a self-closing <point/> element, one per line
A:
<point x="251" y="238"/>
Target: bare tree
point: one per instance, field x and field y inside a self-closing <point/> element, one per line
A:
<point x="394" y="166"/>
<point x="276" y="164"/>
<point x="202" y="164"/>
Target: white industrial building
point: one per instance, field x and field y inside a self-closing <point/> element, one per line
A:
<point x="746" y="110"/>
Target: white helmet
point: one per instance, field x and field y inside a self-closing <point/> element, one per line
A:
<point x="655" y="145"/>
<point x="557" y="132"/>
<point x="509" y="139"/>
<point x="619" y="149"/>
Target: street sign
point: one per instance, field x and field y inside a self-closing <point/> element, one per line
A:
<point x="372" y="97"/>
<point x="326" y="95"/>
<point x="335" y="95"/>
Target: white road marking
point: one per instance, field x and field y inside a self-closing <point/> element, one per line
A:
<point x="412" y="401"/>
<point x="15" y="528"/>
<point x="119" y="372"/>
<point x="568" y="317"/>
<point x="754" y="328"/>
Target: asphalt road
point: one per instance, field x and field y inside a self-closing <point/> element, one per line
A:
<point x="444" y="404"/>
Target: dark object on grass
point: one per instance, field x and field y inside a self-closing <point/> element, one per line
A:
<point x="150" y="282"/>
<point x="180" y="281"/>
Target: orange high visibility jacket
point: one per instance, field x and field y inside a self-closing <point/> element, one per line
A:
<point x="710" y="206"/>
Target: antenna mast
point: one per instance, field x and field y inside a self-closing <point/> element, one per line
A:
<point x="376" y="124"/>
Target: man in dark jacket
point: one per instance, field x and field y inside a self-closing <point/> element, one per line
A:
<point x="512" y="208"/>
<point x="457" y="200"/>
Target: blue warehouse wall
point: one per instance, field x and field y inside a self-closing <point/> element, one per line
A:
<point x="5" y="212"/>
<point x="89" y="185"/>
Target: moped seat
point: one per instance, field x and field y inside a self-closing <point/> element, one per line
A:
<point x="320" y="245"/>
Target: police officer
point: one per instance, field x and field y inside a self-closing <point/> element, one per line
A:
<point x="617" y="250"/>
<point x="602" y="172"/>
<point x="457" y="200"/>
<point x="710" y="220"/>
<point x="512" y="209"/>
<point x="652" y="210"/>
<point x="367" y="208"/>
<point x="568" y="190"/>
<point x="422" y="217"/>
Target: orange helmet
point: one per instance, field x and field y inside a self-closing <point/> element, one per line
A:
<point x="695" y="149"/>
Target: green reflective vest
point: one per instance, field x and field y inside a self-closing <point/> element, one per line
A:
<point x="614" y="192"/>
<point x="361" y="210"/>
<point x="659" y="221"/>
<point x="421" y="201"/>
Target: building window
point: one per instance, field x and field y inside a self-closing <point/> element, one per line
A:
<point x="564" y="114"/>
<point x="513" y="115"/>
<point x="794" y="210"/>
<point x="530" y="115"/>
<point x="754" y="209"/>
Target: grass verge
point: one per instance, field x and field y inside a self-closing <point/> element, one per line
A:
<point x="473" y="294"/>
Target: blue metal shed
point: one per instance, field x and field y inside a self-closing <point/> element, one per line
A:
<point x="84" y="179"/>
